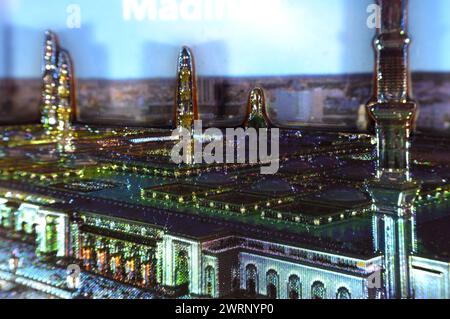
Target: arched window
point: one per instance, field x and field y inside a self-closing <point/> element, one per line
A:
<point x="51" y="235"/>
<point x="318" y="291"/>
<point x="272" y="284"/>
<point x="251" y="278"/>
<point x="343" y="293"/>
<point x="24" y="227"/>
<point x="182" y="268"/>
<point x="210" y="277"/>
<point x="294" y="287"/>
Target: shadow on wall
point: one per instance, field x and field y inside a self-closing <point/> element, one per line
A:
<point x="217" y="106"/>
<point x="140" y="102"/>
<point x="90" y="58"/>
<point x="431" y="89"/>
<point x="20" y="97"/>
<point x="357" y="93"/>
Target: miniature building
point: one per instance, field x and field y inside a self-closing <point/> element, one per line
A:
<point x="344" y="217"/>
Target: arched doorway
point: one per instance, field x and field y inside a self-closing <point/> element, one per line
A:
<point x="294" y="287"/>
<point x="251" y="275"/>
<point x="51" y="235"/>
<point x="182" y="276"/>
<point x="210" y="276"/>
<point x="343" y="293"/>
<point x="318" y="290"/>
<point x="272" y="284"/>
<point x="34" y="228"/>
<point x="24" y="227"/>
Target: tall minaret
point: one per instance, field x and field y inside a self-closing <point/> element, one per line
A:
<point x="393" y="110"/>
<point x="49" y="79"/>
<point x="186" y="94"/>
<point x="186" y="108"/>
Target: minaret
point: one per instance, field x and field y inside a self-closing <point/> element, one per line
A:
<point x="65" y="102"/>
<point x="256" y="110"/>
<point x="186" y="108"/>
<point x="186" y="94"/>
<point x="49" y="79"/>
<point x="393" y="110"/>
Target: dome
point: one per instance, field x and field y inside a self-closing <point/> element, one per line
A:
<point x="297" y="167"/>
<point x="343" y="195"/>
<point x="272" y="185"/>
<point x="214" y="179"/>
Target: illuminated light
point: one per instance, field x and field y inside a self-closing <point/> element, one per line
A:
<point x="211" y="204"/>
<point x="330" y="219"/>
<point x="279" y="216"/>
<point x="181" y="200"/>
<point x="154" y="139"/>
<point x="317" y="222"/>
<point x="243" y="210"/>
<point x="227" y="207"/>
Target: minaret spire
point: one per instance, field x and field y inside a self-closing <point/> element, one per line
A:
<point x="391" y="105"/>
<point x="186" y="108"/>
<point x="49" y="82"/>
<point x="393" y="110"/>
<point x="256" y="110"/>
<point x="66" y="102"/>
<point x="186" y="94"/>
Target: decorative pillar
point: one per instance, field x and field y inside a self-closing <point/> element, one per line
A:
<point x="195" y="269"/>
<point x="394" y="111"/>
<point x="167" y="257"/>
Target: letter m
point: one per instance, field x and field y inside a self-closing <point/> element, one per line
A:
<point x="139" y="9"/>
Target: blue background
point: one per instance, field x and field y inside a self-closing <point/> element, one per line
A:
<point x="289" y="37"/>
